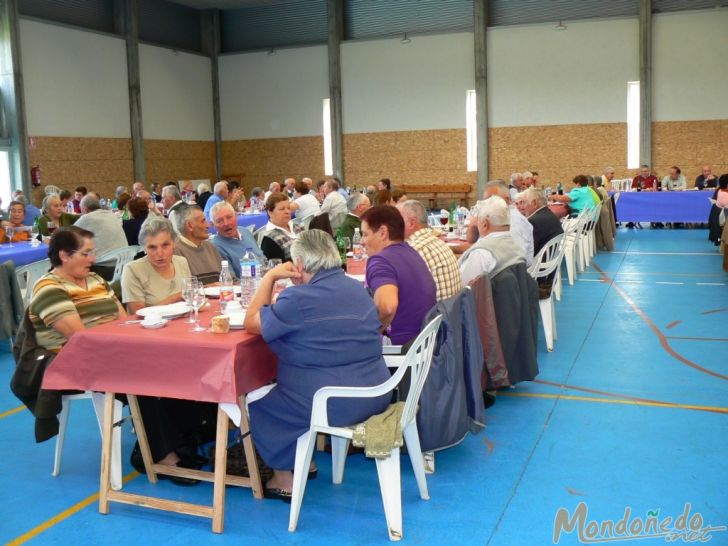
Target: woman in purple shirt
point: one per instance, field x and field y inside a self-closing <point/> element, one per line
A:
<point x="402" y="285"/>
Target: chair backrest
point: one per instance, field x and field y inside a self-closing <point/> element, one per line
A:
<point x="122" y="256"/>
<point x="259" y="234"/>
<point x="51" y="190"/>
<point x="548" y="258"/>
<point x="302" y="224"/>
<point x="27" y="276"/>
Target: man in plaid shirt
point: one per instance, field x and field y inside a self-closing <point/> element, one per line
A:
<point x="439" y="258"/>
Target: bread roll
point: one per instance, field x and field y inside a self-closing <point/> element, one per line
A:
<point x="220" y="324"/>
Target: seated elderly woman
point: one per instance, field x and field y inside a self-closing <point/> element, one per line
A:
<point x="70" y="297"/>
<point x="278" y="235"/>
<point x="155" y="279"/>
<point x="309" y="327"/>
<point x="16" y="213"/>
<point x="402" y="285"/>
<point x="174" y="427"/>
<point x="53" y="216"/>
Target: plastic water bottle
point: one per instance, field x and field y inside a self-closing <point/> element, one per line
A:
<point x="69" y="208"/>
<point x="249" y="274"/>
<point x="227" y="293"/>
<point x="356" y="246"/>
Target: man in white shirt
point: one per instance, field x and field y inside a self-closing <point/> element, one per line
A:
<point x="334" y="204"/>
<point x="521" y="228"/>
<point x="107" y="230"/>
<point x="495" y="250"/>
<point x="675" y="181"/>
<point x="274" y="187"/>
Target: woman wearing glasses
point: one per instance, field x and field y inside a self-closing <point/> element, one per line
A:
<point x="70" y="298"/>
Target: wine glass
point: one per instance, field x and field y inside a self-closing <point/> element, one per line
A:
<point x="51" y="227"/>
<point x="189" y="284"/>
<point x="197" y="300"/>
<point x="10" y="231"/>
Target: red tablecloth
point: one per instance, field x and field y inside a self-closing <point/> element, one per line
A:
<point x="171" y="362"/>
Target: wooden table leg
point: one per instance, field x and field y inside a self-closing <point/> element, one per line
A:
<point x="218" y="490"/>
<point x="249" y="449"/>
<point x="107" y="430"/>
<point x="141" y="433"/>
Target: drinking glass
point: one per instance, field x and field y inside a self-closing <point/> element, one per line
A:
<point x="197" y="300"/>
<point x="34" y="241"/>
<point x="10" y="231"/>
<point x="51" y="227"/>
<point x="347" y="243"/>
<point x="189" y="284"/>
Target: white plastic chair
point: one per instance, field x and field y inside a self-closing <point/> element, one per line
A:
<point x="52" y="190"/>
<point x="547" y="261"/>
<point x="98" y="401"/>
<point x="571" y="247"/>
<point x="27" y="276"/>
<point x="121" y="256"/>
<point x="259" y="234"/>
<point x="418" y="360"/>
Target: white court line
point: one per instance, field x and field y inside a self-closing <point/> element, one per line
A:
<point x="590" y="280"/>
<point x="629" y="282"/>
<point x="710" y="283"/>
<point x="668" y="253"/>
<point x="668" y="282"/>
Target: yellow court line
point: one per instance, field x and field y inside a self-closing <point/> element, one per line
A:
<point x="22" y="539"/>
<point x="10" y="412"/>
<point x="616" y="401"/>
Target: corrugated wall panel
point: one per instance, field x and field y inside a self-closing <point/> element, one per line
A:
<point x="93" y="14"/>
<point x="664" y="6"/>
<point x="170" y="24"/>
<point x="521" y="12"/>
<point x="293" y="22"/>
<point x="378" y="18"/>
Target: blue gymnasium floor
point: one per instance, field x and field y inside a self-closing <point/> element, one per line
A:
<point x="630" y="410"/>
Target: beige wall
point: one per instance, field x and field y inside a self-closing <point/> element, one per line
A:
<point x="102" y="164"/>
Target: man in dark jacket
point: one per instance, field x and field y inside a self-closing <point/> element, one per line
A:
<point x="533" y="205"/>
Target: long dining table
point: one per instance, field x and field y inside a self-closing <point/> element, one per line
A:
<point x="23" y="253"/>
<point x="172" y="362"/>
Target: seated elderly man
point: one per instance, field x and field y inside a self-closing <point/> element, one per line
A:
<point x="221" y="193"/>
<point x="439" y="258"/>
<point x="202" y="256"/>
<point x="230" y="242"/>
<point x="356" y="205"/>
<point x="107" y="229"/>
<point x="273" y="187"/>
<point x="534" y="206"/>
<point x="403" y="288"/>
<point x="172" y="201"/>
<point x="334" y="203"/>
<point x="675" y="181"/>
<point x="521" y="229"/>
<point x="496" y="249"/>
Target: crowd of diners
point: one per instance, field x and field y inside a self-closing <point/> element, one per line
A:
<point x="326" y="328"/>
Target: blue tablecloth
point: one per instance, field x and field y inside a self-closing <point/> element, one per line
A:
<point x="23" y="253"/>
<point x="258" y="220"/>
<point x="664" y="206"/>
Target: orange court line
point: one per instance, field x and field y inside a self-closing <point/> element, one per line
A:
<point x="11" y="412"/>
<point x="660" y="336"/>
<point x="67" y="513"/>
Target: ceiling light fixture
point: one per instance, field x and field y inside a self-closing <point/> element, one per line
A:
<point x="405" y="40"/>
<point x="560" y="26"/>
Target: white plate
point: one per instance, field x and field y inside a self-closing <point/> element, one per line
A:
<point x="214" y="291"/>
<point x="236" y="320"/>
<point x="173" y="310"/>
<point x="154" y="325"/>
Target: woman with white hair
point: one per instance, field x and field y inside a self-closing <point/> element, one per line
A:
<point x="53" y="216"/>
<point x="325" y="332"/>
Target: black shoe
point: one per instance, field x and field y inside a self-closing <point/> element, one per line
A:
<point x="277" y="494"/>
<point x="179" y="480"/>
<point x="488" y="399"/>
<point x="630" y="225"/>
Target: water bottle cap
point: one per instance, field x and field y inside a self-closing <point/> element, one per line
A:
<point x="224" y="263"/>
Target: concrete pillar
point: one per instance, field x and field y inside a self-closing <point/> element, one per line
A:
<point x="646" y="82"/>
<point x="335" y="11"/>
<point x="480" y="18"/>
<point x="210" y="21"/>
<point x="131" y="31"/>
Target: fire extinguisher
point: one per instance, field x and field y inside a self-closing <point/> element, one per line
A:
<point x="35" y="176"/>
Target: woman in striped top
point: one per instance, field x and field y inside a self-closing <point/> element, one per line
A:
<point x="70" y="298"/>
